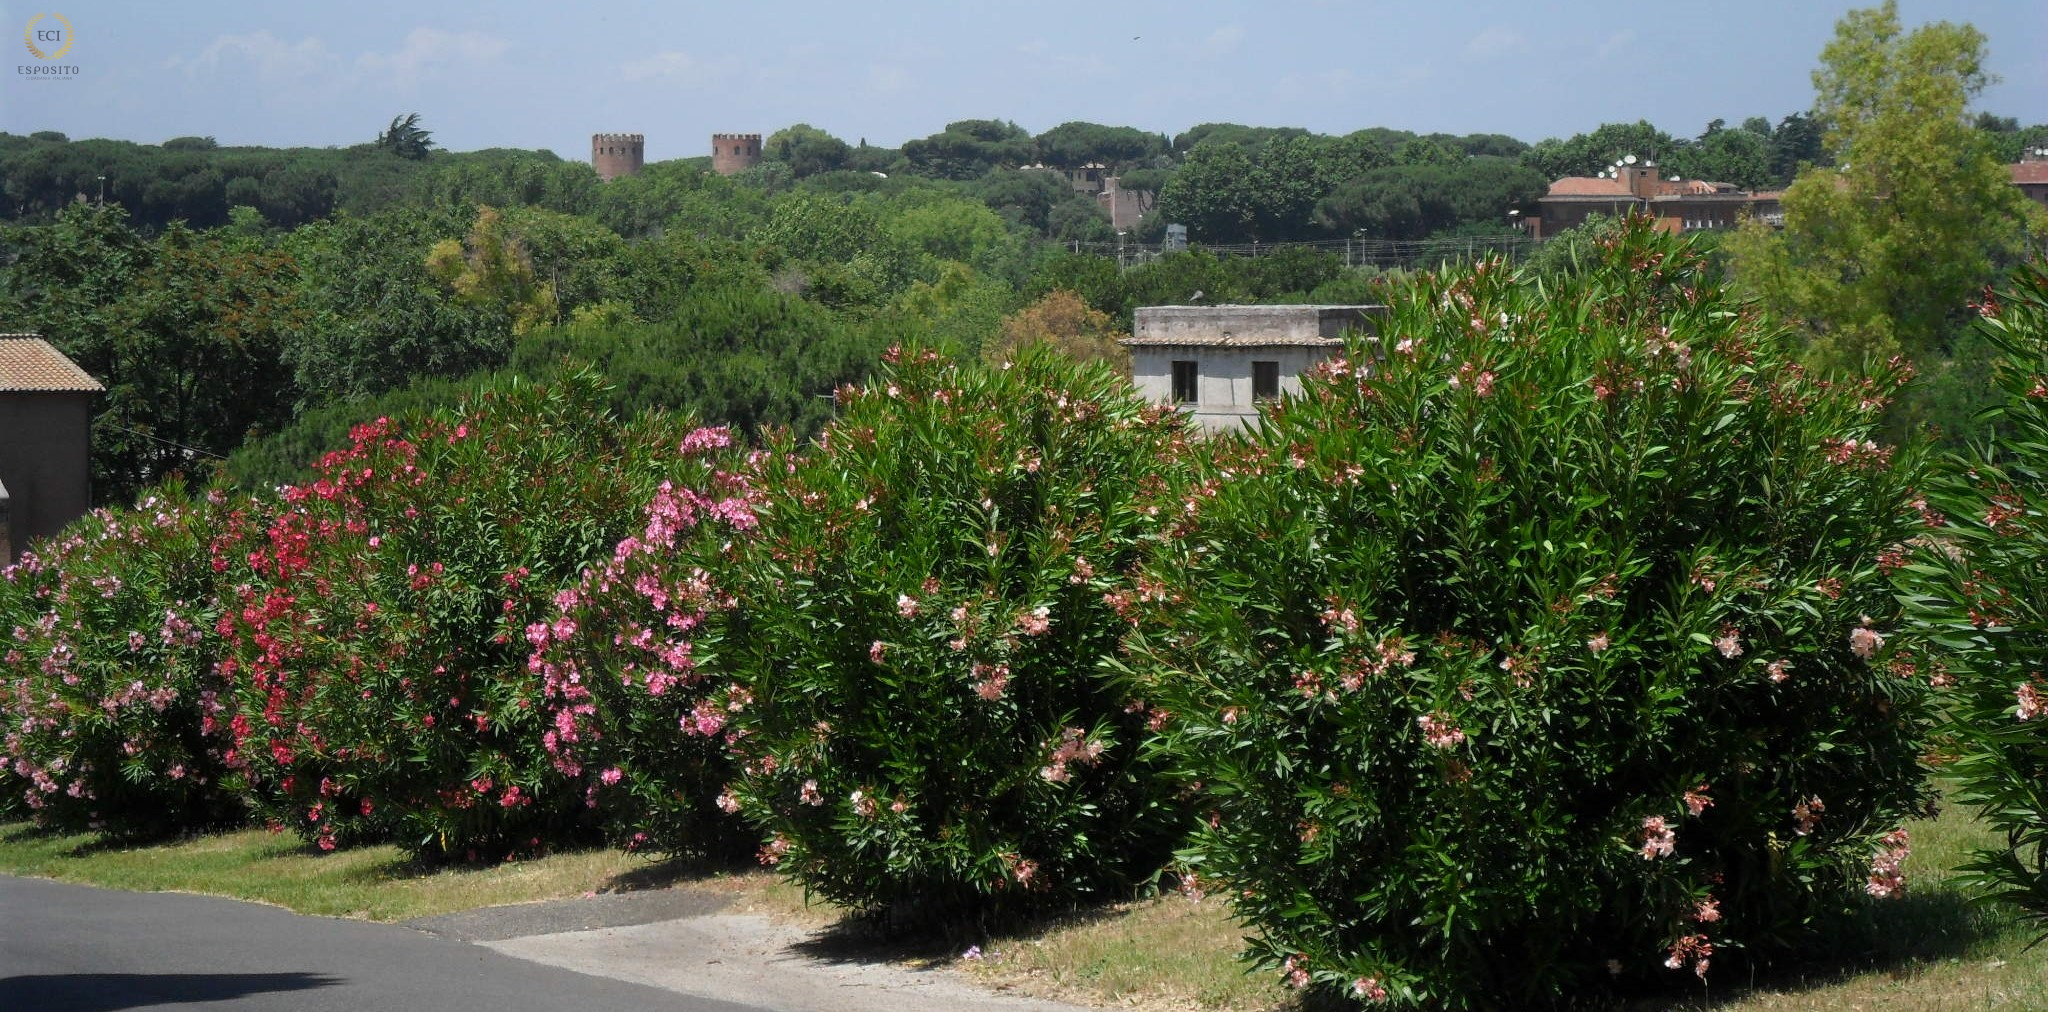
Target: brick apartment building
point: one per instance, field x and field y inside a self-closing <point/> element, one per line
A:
<point x="1676" y="205"/>
<point x="2030" y="174"/>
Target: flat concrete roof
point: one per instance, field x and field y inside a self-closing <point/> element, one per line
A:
<point x="1233" y="326"/>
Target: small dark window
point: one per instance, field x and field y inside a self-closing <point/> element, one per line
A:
<point x="1265" y="381"/>
<point x="1184" y="382"/>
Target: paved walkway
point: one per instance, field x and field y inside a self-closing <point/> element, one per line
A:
<point x="69" y="948"/>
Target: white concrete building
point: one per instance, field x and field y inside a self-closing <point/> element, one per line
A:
<point x="1218" y="362"/>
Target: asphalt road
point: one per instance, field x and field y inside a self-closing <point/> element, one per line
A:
<point x="68" y="948"/>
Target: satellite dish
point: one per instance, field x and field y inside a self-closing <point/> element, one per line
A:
<point x="1630" y="159"/>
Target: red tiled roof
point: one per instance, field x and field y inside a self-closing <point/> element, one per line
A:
<point x="29" y="364"/>
<point x="1588" y="186"/>
<point x="2029" y="173"/>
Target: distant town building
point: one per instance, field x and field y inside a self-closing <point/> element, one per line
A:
<point x="1217" y="363"/>
<point x="615" y="155"/>
<point x="1675" y="205"/>
<point x="45" y="441"/>
<point x="732" y="153"/>
<point x="1124" y="207"/>
<point x="2030" y="174"/>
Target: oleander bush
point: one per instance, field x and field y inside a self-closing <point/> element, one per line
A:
<point x="629" y="702"/>
<point x="377" y="629"/>
<point x="1977" y="591"/>
<point x="115" y="717"/>
<point x="1536" y="653"/>
<point x="912" y="647"/>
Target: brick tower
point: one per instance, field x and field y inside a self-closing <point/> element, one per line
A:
<point x="615" y="155"/>
<point x="731" y="153"/>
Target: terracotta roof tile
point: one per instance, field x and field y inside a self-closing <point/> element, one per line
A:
<point x="29" y="364"/>
<point x="1588" y="186"/>
<point x="2029" y="173"/>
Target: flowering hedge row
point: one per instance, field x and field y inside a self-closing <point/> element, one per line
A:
<point x="1537" y="648"/>
<point x="905" y="625"/>
<point x="1541" y="648"/>
<point x="376" y="629"/>
<point x="1977" y="593"/>
<point x="115" y="714"/>
<point x="630" y="714"/>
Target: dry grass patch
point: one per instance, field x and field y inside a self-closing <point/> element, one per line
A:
<point x="1158" y="954"/>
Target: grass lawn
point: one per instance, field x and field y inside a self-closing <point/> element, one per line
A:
<point x="1930" y="950"/>
<point x="373" y="883"/>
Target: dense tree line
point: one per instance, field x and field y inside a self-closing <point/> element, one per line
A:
<point x="230" y="293"/>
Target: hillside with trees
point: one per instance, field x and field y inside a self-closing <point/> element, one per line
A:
<point x="250" y="302"/>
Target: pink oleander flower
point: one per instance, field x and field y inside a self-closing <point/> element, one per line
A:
<point x="1659" y="839"/>
<point x="809" y="794"/>
<point x="1697" y="801"/>
<point x="727" y="803"/>
<point x="1779" y="670"/>
<point x="1692" y="949"/>
<point x="1035" y="623"/>
<point x="1806" y="814"/>
<point x="876" y="650"/>
<point x="1729" y="643"/>
<point x="991" y="680"/>
<point x="1294" y="972"/>
<point x="1370" y="988"/>
<point x="1887" y="878"/>
<point x="1864" y="641"/>
<point x="1598" y="643"/>
<point x="1708" y="911"/>
<point x="906" y="606"/>
<point x="1438" y="730"/>
<point x="863" y="804"/>
<point x="2029" y="701"/>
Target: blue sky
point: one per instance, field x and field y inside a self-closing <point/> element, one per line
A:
<point x="517" y="73"/>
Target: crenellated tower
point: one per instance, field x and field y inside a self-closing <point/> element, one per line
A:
<point x="615" y="155"/>
<point x="732" y="153"/>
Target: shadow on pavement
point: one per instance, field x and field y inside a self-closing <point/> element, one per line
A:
<point x="108" y="992"/>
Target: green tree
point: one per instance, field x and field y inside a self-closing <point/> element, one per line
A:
<point x="807" y="150"/>
<point x="377" y="318"/>
<point x="1586" y="154"/>
<point x="185" y="333"/>
<point x="492" y="268"/>
<point x="1071" y="145"/>
<point x="968" y="148"/>
<point x="1218" y="193"/>
<point x="405" y="137"/>
<point x="1881" y="255"/>
<point x="1061" y="319"/>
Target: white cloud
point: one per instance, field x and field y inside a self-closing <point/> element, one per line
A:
<point x="429" y="50"/>
<point x="668" y="65"/>
<point x="1495" y="40"/>
<point x="1221" y="42"/>
<point x="1337" y="82"/>
<point x="277" y="62"/>
<point x="1617" y="42"/>
<point x="888" y="79"/>
<point x="274" y="60"/>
